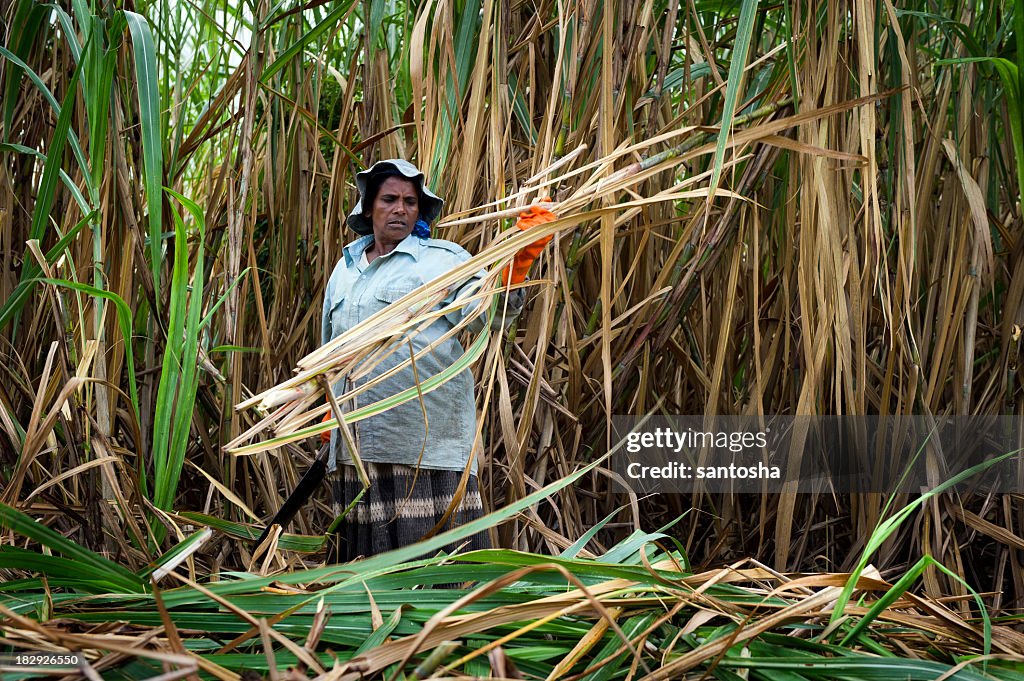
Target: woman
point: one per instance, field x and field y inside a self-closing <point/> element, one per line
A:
<point x="415" y="453"/>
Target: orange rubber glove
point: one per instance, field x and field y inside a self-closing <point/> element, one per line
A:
<point x="524" y="258"/>
<point x="325" y="437"/>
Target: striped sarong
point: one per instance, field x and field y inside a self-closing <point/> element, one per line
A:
<point x="393" y="513"/>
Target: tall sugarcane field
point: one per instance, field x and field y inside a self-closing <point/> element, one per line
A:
<point x="792" y="227"/>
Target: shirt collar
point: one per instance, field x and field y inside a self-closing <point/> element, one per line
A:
<point x="412" y="245"/>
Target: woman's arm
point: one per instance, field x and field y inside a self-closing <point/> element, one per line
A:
<point x="509" y="306"/>
<point x="326" y="332"/>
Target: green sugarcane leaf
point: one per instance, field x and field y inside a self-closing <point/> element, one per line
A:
<point x="72" y="138"/>
<point x="60" y="571"/>
<point x="631" y="628"/>
<point x="381" y="633"/>
<point x="737" y="69"/>
<point x="68" y="26"/>
<point x="628" y="551"/>
<point x="46" y="195"/>
<point x="187" y="545"/>
<point x="220" y="301"/>
<point x="235" y="348"/>
<point x="859" y="667"/>
<point x="903" y="584"/>
<point x="465" y="45"/>
<point x="29" y="20"/>
<point x="170" y="372"/>
<point x="51" y="168"/>
<point x="25" y="526"/>
<point x="886" y="527"/>
<point x="152" y="139"/>
<point x="288" y="56"/>
<point x="299" y="543"/>
<point x="124" y="321"/>
<point x="69" y="184"/>
<point x="189" y="381"/>
<point x="179" y="375"/>
<point x="579" y="544"/>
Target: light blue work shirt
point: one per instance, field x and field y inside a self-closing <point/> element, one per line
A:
<point x="358" y="289"/>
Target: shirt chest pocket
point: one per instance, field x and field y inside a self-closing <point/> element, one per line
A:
<point x="362" y="299"/>
<point x="391" y="294"/>
<point x="385" y="297"/>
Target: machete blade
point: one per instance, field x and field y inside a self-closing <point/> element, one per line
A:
<point x="297" y="499"/>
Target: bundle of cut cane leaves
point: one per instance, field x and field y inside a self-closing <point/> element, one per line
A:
<point x="293" y="410"/>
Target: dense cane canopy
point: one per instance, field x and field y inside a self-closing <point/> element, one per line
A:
<point x="790" y="208"/>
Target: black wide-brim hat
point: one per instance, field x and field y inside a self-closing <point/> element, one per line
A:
<point x="430" y="203"/>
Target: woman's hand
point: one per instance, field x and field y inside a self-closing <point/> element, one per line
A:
<point x="520" y="267"/>
<point x="325" y="437"/>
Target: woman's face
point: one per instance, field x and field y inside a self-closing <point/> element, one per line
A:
<point x="395" y="210"/>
